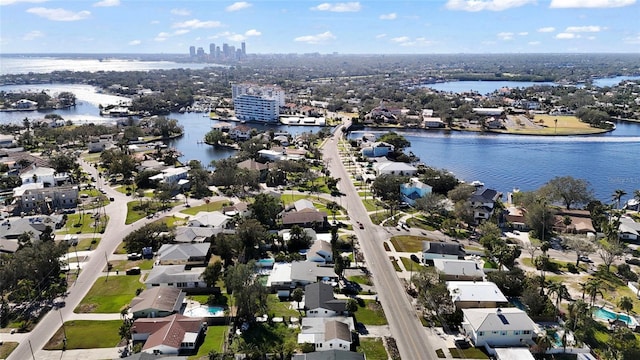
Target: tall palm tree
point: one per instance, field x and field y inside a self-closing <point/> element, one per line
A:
<point x="626" y="303"/>
<point x="561" y="292"/>
<point x="617" y="196"/>
<point x="592" y="287"/>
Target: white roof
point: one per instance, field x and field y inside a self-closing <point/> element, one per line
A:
<point x="458" y="267"/>
<point x="281" y="273"/>
<point x="211" y="218"/>
<point x="514" y="354"/>
<point x="500" y="319"/>
<point x="38" y="171"/>
<point x="394" y="166"/>
<point x="475" y="291"/>
<point x="628" y="225"/>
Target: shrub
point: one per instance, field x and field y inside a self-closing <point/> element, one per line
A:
<point x="572" y="268"/>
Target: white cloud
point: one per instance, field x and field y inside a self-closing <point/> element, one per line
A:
<point x="633" y="39"/>
<point x="409" y="42"/>
<point x="154" y="22"/>
<point x="238" y="6"/>
<point x="534" y="43"/>
<point x="162" y="36"/>
<point x="401" y="39"/>
<point x="547" y="29"/>
<point x="135" y="42"/>
<point x="491" y="5"/>
<point x="181" y="12"/>
<point x="338" y="7"/>
<point x="252" y="32"/>
<point x="59" y="14"/>
<point x="32" y="35"/>
<point x="390" y="16"/>
<point x="316" y="39"/>
<point x="505" y="35"/>
<point x="181" y="31"/>
<point x="575" y="29"/>
<point x="569" y="4"/>
<point x="380" y="36"/>
<point x="107" y="3"/>
<point x="523" y="33"/>
<point x="591" y="37"/>
<point x="9" y="2"/>
<point x="197" y="24"/>
<point x="564" y="36"/>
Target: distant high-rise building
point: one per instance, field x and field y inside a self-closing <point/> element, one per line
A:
<point x="225" y="50"/>
<point x="232" y="53"/>
<point x="244" y="49"/>
<point x="218" y="52"/>
<point x="212" y="50"/>
<point x="200" y="52"/>
<point x="192" y="51"/>
<point x="257" y="103"/>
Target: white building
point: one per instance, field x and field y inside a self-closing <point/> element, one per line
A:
<point x="498" y="327"/>
<point x="257" y="103"/>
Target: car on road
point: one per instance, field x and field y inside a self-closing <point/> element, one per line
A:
<point x="585" y="259"/>
<point x="360" y="225"/>
<point x="133" y="271"/>
<point x="415" y="258"/>
<point x="134" y="256"/>
<point x="102" y="190"/>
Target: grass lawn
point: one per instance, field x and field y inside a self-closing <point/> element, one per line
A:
<point x="370" y="204"/>
<point x="567" y="125"/>
<point x="395" y="264"/>
<point x="470" y="353"/>
<point x="86" y="244"/>
<point x="409" y="264"/>
<point x="7" y="348"/>
<point x="280" y="308"/>
<point x="86" y="334"/>
<point x="419" y="223"/>
<point x="122" y="265"/>
<point x="373" y="348"/>
<point x="371" y="313"/>
<point x="212" y="206"/>
<point x="408" y="243"/>
<point x="83" y="223"/>
<point x="212" y="341"/>
<point x="360" y="279"/>
<point x="110" y="296"/>
<point x="268" y="338"/>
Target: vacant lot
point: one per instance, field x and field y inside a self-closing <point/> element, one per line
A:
<point x="408" y="243"/>
<point x="110" y="295"/>
<point x="86" y="334"/>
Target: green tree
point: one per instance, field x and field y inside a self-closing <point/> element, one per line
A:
<point x="617" y="196"/>
<point x="398" y="141"/>
<point x="214" y="137"/>
<point x="441" y="181"/>
<point x="298" y="239"/>
<point x="626" y="304"/>
<point x="212" y="273"/>
<point x="461" y="192"/>
<point x="250" y="234"/>
<point x="569" y="190"/>
<point x="150" y="235"/>
<point x="266" y="208"/>
<point x="296" y="295"/>
<point x="250" y="297"/>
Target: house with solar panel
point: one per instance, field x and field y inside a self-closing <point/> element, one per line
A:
<point x="496" y="327"/>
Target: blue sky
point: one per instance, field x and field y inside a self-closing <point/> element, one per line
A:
<point x="302" y="26"/>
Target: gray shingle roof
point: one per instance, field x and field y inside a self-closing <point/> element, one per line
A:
<point x="320" y="295"/>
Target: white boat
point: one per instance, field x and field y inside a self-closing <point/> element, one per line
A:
<point x="477" y="183"/>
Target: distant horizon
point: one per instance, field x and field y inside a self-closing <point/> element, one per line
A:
<point x="186" y="55"/>
<point x="320" y="26"/>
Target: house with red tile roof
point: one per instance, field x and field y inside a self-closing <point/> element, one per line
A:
<point x="175" y="334"/>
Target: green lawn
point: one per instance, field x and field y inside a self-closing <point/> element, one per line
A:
<point x="408" y="243"/>
<point x="86" y="244"/>
<point x="7" y="348"/>
<point x="361" y="279"/>
<point x="409" y="264"/>
<point x="470" y="353"/>
<point x="212" y="206"/>
<point x="371" y="313"/>
<point x="395" y="264"/>
<point x="373" y="349"/>
<point x="110" y="296"/>
<point x="83" y="223"/>
<point x="280" y="308"/>
<point x="213" y="341"/>
<point x="268" y="338"/>
<point x="122" y="265"/>
<point x="86" y="334"/>
<point x="370" y="204"/>
<point x="420" y="223"/>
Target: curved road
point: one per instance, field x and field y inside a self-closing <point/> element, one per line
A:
<point x="404" y="324"/>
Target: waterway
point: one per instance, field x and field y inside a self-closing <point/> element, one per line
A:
<point x="608" y="161"/>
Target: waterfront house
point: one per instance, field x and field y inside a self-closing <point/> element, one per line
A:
<point x="579" y="221"/>
<point x="440" y="250"/>
<point x="483" y="202"/>
<point x="377" y="149"/>
<point x="414" y="190"/>
<point x="475" y="294"/>
<point x="240" y="133"/>
<point x="184" y="254"/>
<point x="462" y="270"/>
<point x="629" y="229"/>
<point x="516" y="217"/>
<point x="498" y="327"/>
<point x="394" y="168"/>
<point x="171" y="175"/>
<point x="169" y="335"/>
<point x="158" y="301"/>
<point x="7" y="141"/>
<point x="432" y="122"/>
<point x="25" y="104"/>
<point x="320" y="302"/>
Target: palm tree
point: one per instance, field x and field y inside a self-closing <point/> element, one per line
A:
<point x="561" y="292"/>
<point x="617" y="196"/>
<point x="626" y="303"/>
<point x="543" y="343"/>
<point x="592" y="287"/>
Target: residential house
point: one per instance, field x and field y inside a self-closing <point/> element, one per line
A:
<point x="394" y="168"/>
<point x="515" y="353"/>
<point x="171" y="175"/>
<point x="38" y="198"/>
<point x="157" y="302"/>
<point x="176" y="276"/>
<point x="330" y="355"/>
<point x="7" y="141"/>
<point x="100" y="143"/>
<point x="377" y="149"/>
<point x="320" y="252"/>
<point x="579" y="221"/>
<point x="184" y="254"/>
<point x="488" y="111"/>
<point x="251" y="164"/>
<point x="414" y="190"/>
<point x="12" y="228"/>
<point x="515" y="216"/>
<point x="287" y="276"/>
<point x="222" y="126"/>
<point x="213" y="219"/>
<point x="454" y="269"/>
<point x="305" y="218"/>
<point x="475" y="294"/>
<point x="45" y="175"/>
<point x="272" y="155"/>
<point x="629" y="229"/>
<point x="240" y="208"/>
<point x="440" y="250"/>
<point x="327" y="333"/>
<point x="498" y="327"/>
<point x="432" y="122"/>
<point x="483" y="202"/>
<point x="493" y="123"/>
<point x="194" y="234"/>
<point x="23" y="104"/>
<point x="320" y="302"/>
<point x="171" y="335"/>
<point x="241" y="132"/>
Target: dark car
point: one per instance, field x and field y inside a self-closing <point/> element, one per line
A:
<point x="133" y="271"/>
<point x="361" y="225"/>
<point x="415" y="258"/>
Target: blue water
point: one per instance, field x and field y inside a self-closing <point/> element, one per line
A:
<point x="605" y="314"/>
<point x="205" y="311"/>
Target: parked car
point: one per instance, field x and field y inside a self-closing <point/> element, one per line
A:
<point x="360" y="225"/>
<point x="133" y="271"/>
<point x="585" y="259"/>
<point x="415" y="258"/>
<point x="134" y="256"/>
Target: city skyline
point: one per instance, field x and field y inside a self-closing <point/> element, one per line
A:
<point x="351" y="27"/>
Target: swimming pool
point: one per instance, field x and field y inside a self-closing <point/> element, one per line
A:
<point x="205" y="311"/>
<point x="606" y="314"/>
<point x="266" y="262"/>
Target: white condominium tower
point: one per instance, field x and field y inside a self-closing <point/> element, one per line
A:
<point x="257" y="103"/>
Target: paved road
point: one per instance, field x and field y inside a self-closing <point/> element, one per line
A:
<point x="92" y="269"/>
<point x="403" y="321"/>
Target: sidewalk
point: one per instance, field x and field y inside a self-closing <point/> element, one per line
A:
<point x="82" y="354"/>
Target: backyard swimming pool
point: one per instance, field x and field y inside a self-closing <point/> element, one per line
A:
<point x="205" y="311"/>
<point x="606" y="314"/>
